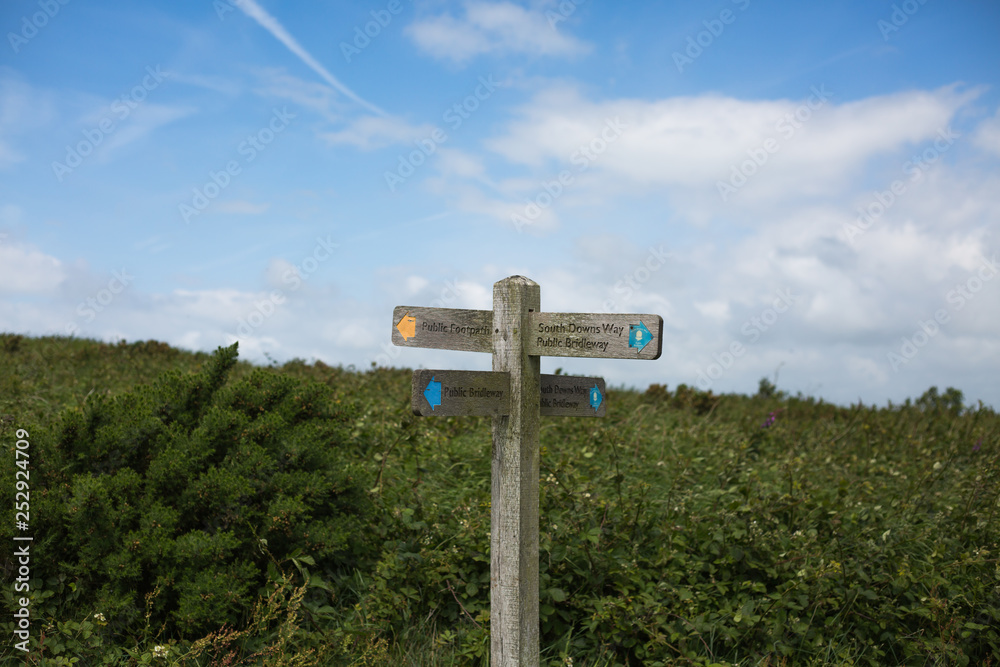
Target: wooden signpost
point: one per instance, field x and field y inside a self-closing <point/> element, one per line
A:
<point x="516" y="394"/>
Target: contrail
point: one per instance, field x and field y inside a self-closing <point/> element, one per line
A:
<point x="269" y="23"/>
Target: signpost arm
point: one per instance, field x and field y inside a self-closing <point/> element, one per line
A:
<point x="514" y="506"/>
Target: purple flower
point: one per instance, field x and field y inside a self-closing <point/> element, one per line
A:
<point x="975" y="447"/>
<point x="773" y="417"/>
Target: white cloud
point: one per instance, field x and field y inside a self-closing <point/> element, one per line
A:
<point x="415" y="283"/>
<point x="855" y="305"/>
<point x="987" y="136"/>
<point x="683" y="148"/>
<point x="715" y="310"/>
<point x="281" y="273"/>
<point x="25" y="270"/>
<point x="492" y="28"/>
<point x="696" y="141"/>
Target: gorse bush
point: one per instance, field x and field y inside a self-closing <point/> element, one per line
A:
<point x="183" y="492"/>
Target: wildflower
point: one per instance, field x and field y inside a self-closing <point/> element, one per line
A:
<point x="160" y="651"/>
<point x="769" y="421"/>
<point x="99" y="617"/>
<point x="979" y="442"/>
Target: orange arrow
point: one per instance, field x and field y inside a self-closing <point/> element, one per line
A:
<point x="407" y="326"/>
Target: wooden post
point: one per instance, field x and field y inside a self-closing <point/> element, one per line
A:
<point x="514" y="506"/>
<point x="517" y="333"/>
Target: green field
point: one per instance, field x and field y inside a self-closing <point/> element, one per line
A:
<point x="223" y="514"/>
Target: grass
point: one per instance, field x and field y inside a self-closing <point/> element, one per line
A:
<point x="683" y="529"/>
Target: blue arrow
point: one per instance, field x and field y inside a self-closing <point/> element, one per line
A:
<point x="433" y="393"/>
<point x="639" y="336"/>
<point x="595" y="397"/>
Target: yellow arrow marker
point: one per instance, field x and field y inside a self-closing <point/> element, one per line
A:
<point x="407" y="326"/>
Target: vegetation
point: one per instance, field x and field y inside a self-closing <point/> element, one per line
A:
<point x="192" y="510"/>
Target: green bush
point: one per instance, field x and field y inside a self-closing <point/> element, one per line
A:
<point x="949" y="401"/>
<point x="819" y="535"/>
<point x="181" y="494"/>
<point x="685" y="528"/>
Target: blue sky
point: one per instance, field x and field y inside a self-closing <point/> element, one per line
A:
<point x="809" y="192"/>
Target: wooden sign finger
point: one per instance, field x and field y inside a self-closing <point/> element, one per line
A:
<point x="453" y="393"/>
<point x="596" y="335"/>
<point x="571" y="396"/>
<point x="443" y="328"/>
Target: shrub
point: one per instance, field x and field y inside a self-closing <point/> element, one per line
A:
<point x="10" y="343"/>
<point x="949" y="401"/>
<point x="767" y="389"/>
<point x="685" y="528"/>
<point x="701" y="402"/>
<point x="657" y="393"/>
<point x="184" y="491"/>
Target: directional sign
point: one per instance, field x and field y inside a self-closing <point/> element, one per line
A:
<point x="517" y="333"/>
<point x="443" y="328"/>
<point x="453" y="393"/>
<point x="595" y="335"/>
<point x="569" y="396"/>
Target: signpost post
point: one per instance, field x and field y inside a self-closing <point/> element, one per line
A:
<point x="516" y="394"/>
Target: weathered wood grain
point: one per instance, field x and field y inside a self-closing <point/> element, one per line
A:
<point x="484" y="393"/>
<point x="517" y="395"/>
<point x="481" y="393"/>
<point x="593" y="335"/>
<point x="444" y="328"/>
<point x="514" y="507"/>
<point x="569" y="396"/>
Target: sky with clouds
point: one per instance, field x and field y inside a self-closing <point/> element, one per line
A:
<point x="808" y="192"/>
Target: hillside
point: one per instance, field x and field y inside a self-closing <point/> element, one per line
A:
<point x="684" y="528"/>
